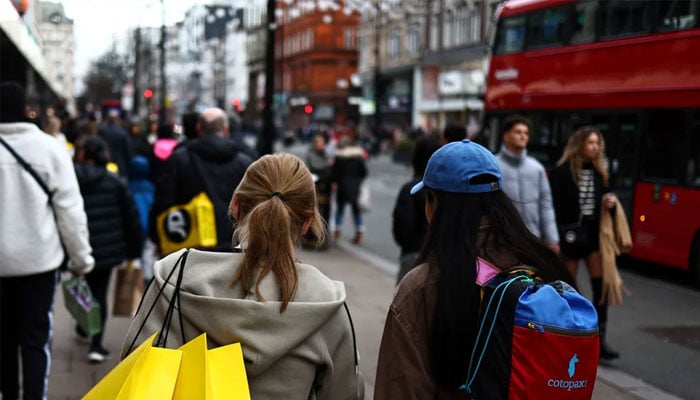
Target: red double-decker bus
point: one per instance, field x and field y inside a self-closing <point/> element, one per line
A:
<point x="631" y="69"/>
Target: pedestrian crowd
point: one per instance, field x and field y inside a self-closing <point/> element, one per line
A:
<point x="88" y="198"/>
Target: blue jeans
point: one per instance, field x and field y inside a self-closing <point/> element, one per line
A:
<point x="356" y="213"/>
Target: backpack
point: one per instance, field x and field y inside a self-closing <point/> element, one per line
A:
<point x="536" y="340"/>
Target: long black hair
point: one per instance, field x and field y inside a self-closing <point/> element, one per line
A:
<point x="464" y="226"/>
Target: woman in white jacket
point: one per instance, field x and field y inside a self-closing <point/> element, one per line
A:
<point x="290" y="319"/>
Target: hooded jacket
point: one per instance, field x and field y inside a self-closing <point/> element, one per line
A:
<point x="113" y="221"/>
<point x="29" y="240"/>
<point x="221" y="165"/>
<point x="526" y="184"/>
<point x="349" y="170"/>
<point x="307" y="348"/>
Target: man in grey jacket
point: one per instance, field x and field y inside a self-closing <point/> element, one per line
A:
<point x="34" y="229"/>
<point x="525" y="181"/>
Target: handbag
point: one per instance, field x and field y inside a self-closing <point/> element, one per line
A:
<point x="64" y="263"/>
<point x="364" y="200"/>
<point x="188" y="225"/>
<point x="128" y="290"/>
<point x="81" y="305"/>
<point x="573" y="241"/>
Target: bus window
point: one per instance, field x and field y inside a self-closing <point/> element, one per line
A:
<point x="547" y="28"/>
<point x="511" y="35"/>
<point x="623" y="166"/>
<point x="665" y="147"/>
<point x="676" y="15"/>
<point x="694" y="162"/>
<point x="584" y="22"/>
<point x="622" y="18"/>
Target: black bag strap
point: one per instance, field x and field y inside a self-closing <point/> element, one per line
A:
<point x="179" y="264"/>
<point x="28" y="168"/>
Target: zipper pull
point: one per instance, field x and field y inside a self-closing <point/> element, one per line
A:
<point x="533" y="325"/>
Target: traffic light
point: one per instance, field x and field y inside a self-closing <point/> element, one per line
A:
<point x="308" y="109"/>
<point x="236" y="103"/>
<point x="148" y="93"/>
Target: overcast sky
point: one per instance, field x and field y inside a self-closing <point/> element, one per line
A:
<point x="98" y="22"/>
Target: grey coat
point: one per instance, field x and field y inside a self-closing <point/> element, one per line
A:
<point x="525" y="182"/>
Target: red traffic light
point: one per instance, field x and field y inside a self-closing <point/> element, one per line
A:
<point x="235" y="102"/>
<point x="308" y="108"/>
<point x="148" y="93"/>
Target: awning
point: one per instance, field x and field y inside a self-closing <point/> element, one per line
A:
<point x="14" y="27"/>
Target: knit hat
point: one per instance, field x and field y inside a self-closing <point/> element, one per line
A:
<point x="13" y="102"/>
<point x="451" y="168"/>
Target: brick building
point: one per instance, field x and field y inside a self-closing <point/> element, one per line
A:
<point x="316" y="63"/>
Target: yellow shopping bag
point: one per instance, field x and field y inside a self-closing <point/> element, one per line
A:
<point x="211" y="374"/>
<point x="147" y="373"/>
<point x="187" y="225"/>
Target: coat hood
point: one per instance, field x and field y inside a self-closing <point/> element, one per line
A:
<point x="89" y="174"/>
<point x="139" y="168"/>
<point x="214" y="148"/>
<point x="228" y="315"/>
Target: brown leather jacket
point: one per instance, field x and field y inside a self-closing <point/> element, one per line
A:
<point x="403" y="369"/>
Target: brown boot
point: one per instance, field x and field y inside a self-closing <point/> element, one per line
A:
<point x="358" y="238"/>
<point x="336" y="235"/>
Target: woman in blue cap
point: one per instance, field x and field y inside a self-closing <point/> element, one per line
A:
<point x="473" y="230"/>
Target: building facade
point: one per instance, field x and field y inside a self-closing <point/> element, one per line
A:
<point x="316" y="58"/>
<point x="425" y="60"/>
<point x="58" y="45"/>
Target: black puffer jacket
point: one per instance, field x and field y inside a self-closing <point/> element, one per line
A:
<point x="113" y="220"/>
<point x="223" y="163"/>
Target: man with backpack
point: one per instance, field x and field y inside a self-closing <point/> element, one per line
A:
<point x="211" y="165"/>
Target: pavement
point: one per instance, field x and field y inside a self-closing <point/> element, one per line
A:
<point x="369" y="288"/>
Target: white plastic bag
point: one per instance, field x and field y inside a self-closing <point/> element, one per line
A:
<point x="364" y="200"/>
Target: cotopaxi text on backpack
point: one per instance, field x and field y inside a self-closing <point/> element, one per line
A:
<point x="536" y="341"/>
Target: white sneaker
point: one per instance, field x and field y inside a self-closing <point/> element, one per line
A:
<point x="98" y="356"/>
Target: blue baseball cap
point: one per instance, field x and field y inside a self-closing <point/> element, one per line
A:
<point x="452" y="167"/>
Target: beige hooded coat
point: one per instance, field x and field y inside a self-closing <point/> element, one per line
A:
<point x="307" y="351"/>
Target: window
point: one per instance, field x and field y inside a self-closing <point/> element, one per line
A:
<point x="434" y="33"/>
<point x="511" y="35"/>
<point x="675" y="15"/>
<point x="448" y="18"/>
<point x="414" y="33"/>
<point x="349" y="38"/>
<point x="474" y="24"/>
<point x="665" y="146"/>
<point x="584" y="22"/>
<point x="546" y="28"/>
<point x="394" y="43"/>
<point x="624" y="18"/>
<point x="460" y="25"/>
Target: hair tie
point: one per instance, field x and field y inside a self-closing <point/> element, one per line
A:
<point x="277" y="194"/>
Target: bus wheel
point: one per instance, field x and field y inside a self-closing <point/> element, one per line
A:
<point x="695" y="260"/>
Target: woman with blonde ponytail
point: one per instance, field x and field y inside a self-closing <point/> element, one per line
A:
<point x="290" y="319"/>
<point x="580" y="184"/>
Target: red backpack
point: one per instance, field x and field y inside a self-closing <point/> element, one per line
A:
<point x="536" y="341"/>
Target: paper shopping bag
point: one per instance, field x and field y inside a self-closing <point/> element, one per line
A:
<point x="128" y="290"/>
<point x="147" y="373"/>
<point x="215" y="374"/>
<point x="82" y="305"/>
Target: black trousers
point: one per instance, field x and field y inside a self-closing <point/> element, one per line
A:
<point x="98" y="281"/>
<point x="26" y="330"/>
